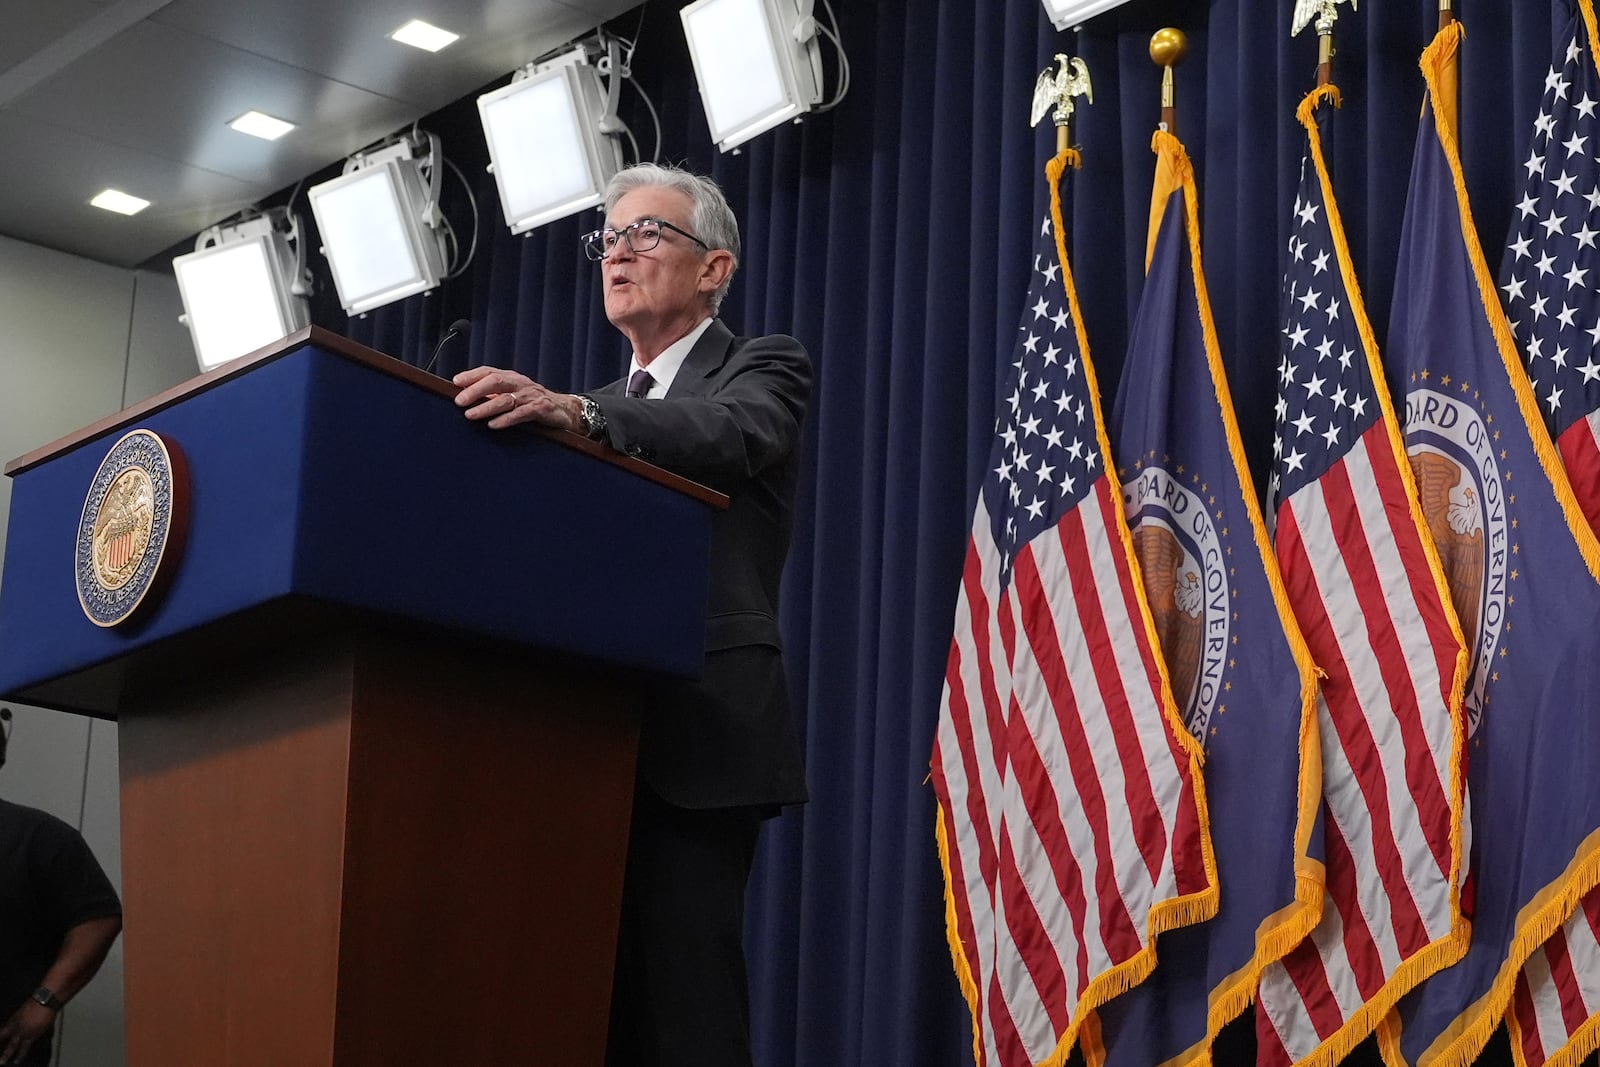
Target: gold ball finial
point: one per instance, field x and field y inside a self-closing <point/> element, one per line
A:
<point x="1168" y="47"/>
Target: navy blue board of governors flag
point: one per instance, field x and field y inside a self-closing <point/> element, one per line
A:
<point x="1240" y="671"/>
<point x="1522" y="567"/>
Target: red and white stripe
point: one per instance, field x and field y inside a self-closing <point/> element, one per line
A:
<point x="1069" y="809"/>
<point x="121" y="550"/>
<point x="1358" y="577"/>
<point x="1555" y="1009"/>
<point x="1579" y="445"/>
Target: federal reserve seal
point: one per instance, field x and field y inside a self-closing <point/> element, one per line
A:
<point x="131" y="531"/>
<point x="1459" y="482"/>
<point x="1186" y="584"/>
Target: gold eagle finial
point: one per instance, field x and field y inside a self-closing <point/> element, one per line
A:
<point x="1326" y="12"/>
<point x="1057" y="88"/>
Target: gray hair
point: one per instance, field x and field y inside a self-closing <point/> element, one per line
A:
<point x="710" y="217"/>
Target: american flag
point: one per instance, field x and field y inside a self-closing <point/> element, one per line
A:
<point x="1550" y="278"/>
<point x="1240" y="672"/>
<point x="1522" y="565"/>
<point x="1550" y="283"/>
<point x="1071" y="821"/>
<point x="1362" y="575"/>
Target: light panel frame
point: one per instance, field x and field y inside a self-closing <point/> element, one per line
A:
<point x="238" y="294"/>
<point x="547" y="149"/>
<point x="748" y="89"/>
<point x="375" y="238"/>
<point x="1065" y="14"/>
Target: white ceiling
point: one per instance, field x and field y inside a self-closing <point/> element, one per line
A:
<point x="137" y="94"/>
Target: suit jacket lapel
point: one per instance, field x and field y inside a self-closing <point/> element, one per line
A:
<point x="704" y="359"/>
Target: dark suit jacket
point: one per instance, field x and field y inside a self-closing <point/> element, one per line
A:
<point x="732" y="421"/>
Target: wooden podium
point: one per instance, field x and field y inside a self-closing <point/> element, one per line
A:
<point x="378" y="735"/>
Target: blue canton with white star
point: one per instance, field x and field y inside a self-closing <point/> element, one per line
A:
<point x="1046" y="455"/>
<point x="1325" y="397"/>
<point x="1552" y="262"/>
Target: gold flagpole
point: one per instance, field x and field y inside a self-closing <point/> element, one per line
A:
<point x="1167" y="48"/>
<point x="1450" y="78"/>
<point x="1326" y="14"/>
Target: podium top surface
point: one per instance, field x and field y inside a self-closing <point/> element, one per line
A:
<point x="357" y="353"/>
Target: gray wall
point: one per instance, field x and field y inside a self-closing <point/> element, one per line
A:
<point x="78" y="340"/>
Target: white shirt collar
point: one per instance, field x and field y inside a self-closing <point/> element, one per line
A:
<point x="664" y="368"/>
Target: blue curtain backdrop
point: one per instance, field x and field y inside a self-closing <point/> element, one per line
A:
<point x="892" y="237"/>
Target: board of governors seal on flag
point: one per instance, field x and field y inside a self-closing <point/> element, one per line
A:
<point x="1460" y="485"/>
<point x="1186" y="581"/>
<point x="131" y="531"/>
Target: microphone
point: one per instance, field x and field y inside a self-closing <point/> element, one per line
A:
<point x="458" y="328"/>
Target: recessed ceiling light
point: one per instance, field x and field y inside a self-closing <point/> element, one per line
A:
<point x="121" y="203"/>
<point x="419" y="34"/>
<point x="259" y="125"/>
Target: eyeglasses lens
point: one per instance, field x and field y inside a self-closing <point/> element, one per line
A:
<point x="642" y="236"/>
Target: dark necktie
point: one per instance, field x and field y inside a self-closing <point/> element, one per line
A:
<point x="640" y="383"/>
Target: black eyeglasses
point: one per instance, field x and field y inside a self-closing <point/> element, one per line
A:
<point x="641" y="236"/>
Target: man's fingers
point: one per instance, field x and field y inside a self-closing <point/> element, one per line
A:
<point x="488" y="381"/>
<point x="493" y="407"/>
<point x="472" y="374"/>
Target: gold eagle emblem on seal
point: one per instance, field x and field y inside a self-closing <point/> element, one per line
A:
<point x="123" y="528"/>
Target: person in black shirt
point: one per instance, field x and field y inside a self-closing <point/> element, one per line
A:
<point x="59" y="916"/>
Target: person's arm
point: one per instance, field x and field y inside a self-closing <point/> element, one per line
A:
<point x="83" y="950"/>
<point x="751" y="421"/>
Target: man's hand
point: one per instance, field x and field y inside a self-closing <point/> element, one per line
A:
<point x="27" y="1024"/>
<point x="506" y="398"/>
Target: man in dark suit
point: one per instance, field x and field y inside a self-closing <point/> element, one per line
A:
<point x="718" y="756"/>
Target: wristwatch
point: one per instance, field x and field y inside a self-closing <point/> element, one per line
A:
<point x="594" y="420"/>
<point x="44" y="997"/>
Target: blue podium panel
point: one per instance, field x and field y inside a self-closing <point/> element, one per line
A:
<point x="315" y="476"/>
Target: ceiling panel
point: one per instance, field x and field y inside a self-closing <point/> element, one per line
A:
<point x="111" y="96"/>
<point x="32" y="24"/>
<point x="136" y="94"/>
<point x="47" y="202"/>
<point x="349" y="42"/>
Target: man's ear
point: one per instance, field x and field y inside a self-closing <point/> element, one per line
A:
<point x="716" y="269"/>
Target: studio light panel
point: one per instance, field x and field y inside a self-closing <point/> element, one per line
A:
<point x="236" y="299"/>
<point x="549" y="157"/>
<point x="373" y="235"/>
<point x="752" y="72"/>
<point x="1065" y="14"/>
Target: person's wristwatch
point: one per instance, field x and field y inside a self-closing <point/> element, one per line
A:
<point x="594" y="420"/>
<point x="45" y="997"/>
